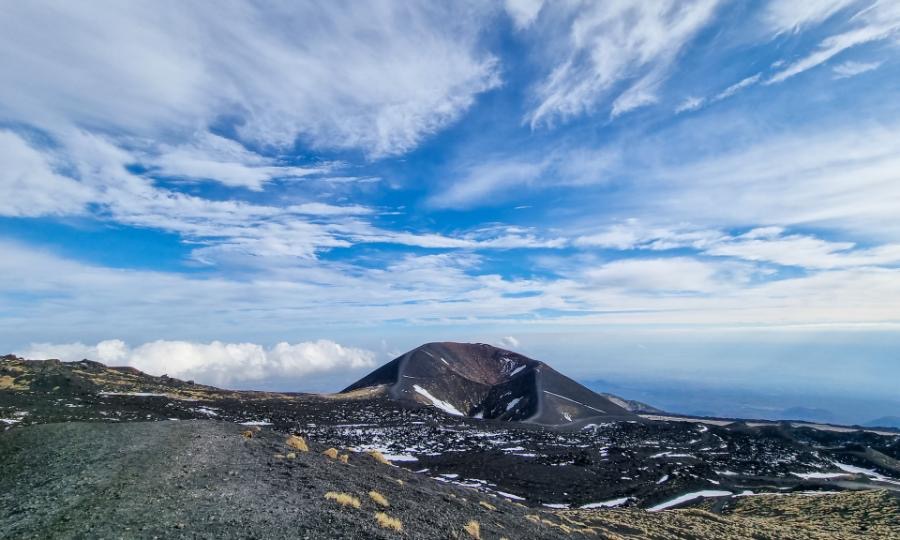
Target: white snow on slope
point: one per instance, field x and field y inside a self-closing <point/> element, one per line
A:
<point x="513" y="403"/>
<point x="518" y="369"/>
<point x="669" y="454"/>
<point x="689" y="497"/>
<point x="136" y="394"/>
<point x="440" y="404"/>
<point x="871" y="473"/>
<point x="573" y="401"/>
<point x="606" y="504"/>
<point x="818" y="475"/>
<point x="509" y="495"/>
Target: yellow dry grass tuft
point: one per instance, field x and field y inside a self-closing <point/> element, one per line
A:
<point x="388" y="522"/>
<point x="344" y="458"/>
<point x="474" y="529"/>
<point x="378" y="498"/>
<point x="488" y="505"/>
<point x="297" y="443"/>
<point x="343" y="499"/>
<point x="379" y="457"/>
<point x="291" y="455"/>
<point x="331" y="453"/>
<point x="9" y="383"/>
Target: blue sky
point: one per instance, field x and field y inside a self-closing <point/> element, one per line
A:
<point x="296" y="191"/>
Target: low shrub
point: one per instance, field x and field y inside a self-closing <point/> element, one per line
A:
<point x="378" y="498"/>
<point x="297" y="443"/>
<point x="388" y="522"/>
<point x="343" y="499"/>
<point x="474" y="529"/>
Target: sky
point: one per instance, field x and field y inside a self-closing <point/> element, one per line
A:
<point x="286" y="194"/>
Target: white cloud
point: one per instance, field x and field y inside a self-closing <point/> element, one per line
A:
<point x="610" y="43"/>
<point x="640" y="94"/>
<point x="220" y="229"/>
<point x="29" y="186"/>
<point x="481" y="180"/>
<point x="762" y="244"/>
<point x="790" y="16"/>
<point x="633" y="234"/>
<point x="214" y="363"/>
<point x="46" y="295"/>
<point x="878" y="22"/>
<point x="485" y="180"/>
<point x="843" y="177"/>
<point x="737" y="87"/>
<point x="211" y="157"/>
<point x="377" y="77"/>
<point x="691" y="103"/>
<point x="852" y="69"/>
<point x="508" y="342"/>
<point x="672" y="275"/>
<point x="523" y="12"/>
<point x="803" y="251"/>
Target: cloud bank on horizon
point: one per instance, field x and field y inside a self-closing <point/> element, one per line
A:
<point x="174" y="173"/>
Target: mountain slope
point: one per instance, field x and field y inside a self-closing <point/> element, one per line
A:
<point x="483" y="381"/>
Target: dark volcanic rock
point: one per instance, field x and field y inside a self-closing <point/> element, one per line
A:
<point x="482" y="381"/>
<point x="204" y="479"/>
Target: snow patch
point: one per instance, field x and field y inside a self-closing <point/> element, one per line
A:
<point x="871" y="473"/>
<point x="606" y="504"/>
<point x="669" y="454"/>
<point x="573" y="401"/>
<point x="509" y="496"/>
<point x="818" y="475"/>
<point x="689" y="497"/>
<point x="136" y="394"/>
<point x="440" y="404"/>
<point x="518" y="369"/>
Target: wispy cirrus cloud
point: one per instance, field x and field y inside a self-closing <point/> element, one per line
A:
<point x="378" y="77"/>
<point x="838" y="177"/>
<point x="485" y="180"/>
<point x="871" y="23"/>
<point x="214" y="158"/>
<point x="850" y="68"/>
<point x="607" y="45"/>
<point x="786" y="16"/>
